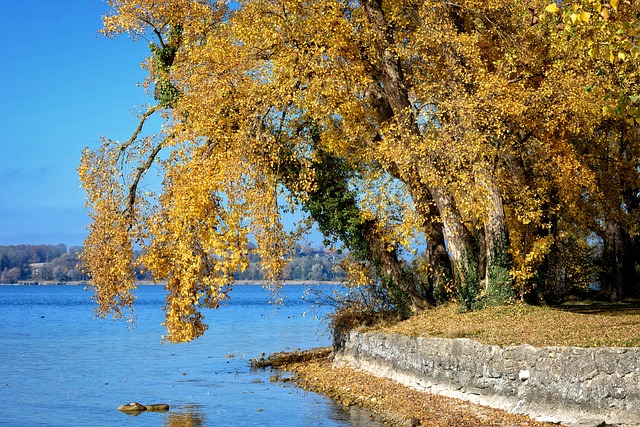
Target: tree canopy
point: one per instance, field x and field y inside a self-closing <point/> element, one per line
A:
<point x="502" y="133"/>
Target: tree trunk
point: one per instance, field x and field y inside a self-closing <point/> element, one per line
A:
<point x="460" y="244"/>
<point x="392" y="269"/>
<point x="612" y="258"/>
<point x="388" y="72"/>
<point x="334" y="206"/>
<point x="498" y="263"/>
<point x="440" y="273"/>
<point x="629" y="266"/>
<point x="634" y="253"/>
<point x="619" y="277"/>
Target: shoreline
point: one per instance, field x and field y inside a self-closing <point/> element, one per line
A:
<point x="151" y="283"/>
<point x="396" y="404"/>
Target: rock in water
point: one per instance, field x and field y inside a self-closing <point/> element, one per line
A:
<point x="136" y="408"/>
<point x="158" y="407"/>
<point x="133" y="407"/>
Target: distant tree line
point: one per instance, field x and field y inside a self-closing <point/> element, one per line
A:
<point x="56" y="263"/>
<point x="308" y="264"/>
<point x="40" y="263"/>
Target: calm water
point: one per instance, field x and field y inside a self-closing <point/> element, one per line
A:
<point x="61" y="367"/>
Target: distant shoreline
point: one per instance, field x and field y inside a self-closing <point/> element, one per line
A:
<point x="151" y="283"/>
<point x="45" y="283"/>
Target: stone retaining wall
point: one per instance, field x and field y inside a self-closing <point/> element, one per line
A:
<point x="561" y="384"/>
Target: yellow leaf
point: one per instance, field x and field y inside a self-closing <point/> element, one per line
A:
<point x="574" y="18"/>
<point x="552" y="8"/>
<point x="622" y="55"/>
<point x="614" y="4"/>
<point x="611" y="57"/>
<point x="585" y="16"/>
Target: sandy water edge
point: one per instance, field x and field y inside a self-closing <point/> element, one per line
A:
<point x="395" y="404"/>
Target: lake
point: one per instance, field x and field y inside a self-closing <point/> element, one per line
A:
<point x="60" y="366"/>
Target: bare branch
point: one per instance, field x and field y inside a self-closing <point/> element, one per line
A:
<point x="140" y="171"/>
<point x="141" y="123"/>
<point x="156" y="31"/>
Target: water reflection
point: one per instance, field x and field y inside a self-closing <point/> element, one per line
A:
<point x="186" y="416"/>
<point x="352" y="416"/>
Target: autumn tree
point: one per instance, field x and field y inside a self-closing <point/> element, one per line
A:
<point x="503" y="133"/>
<point x="597" y="44"/>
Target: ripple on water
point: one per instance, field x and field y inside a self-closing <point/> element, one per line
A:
<point x="76" y="370"/>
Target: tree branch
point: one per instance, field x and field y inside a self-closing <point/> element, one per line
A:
<point x="140" y="171"/>
<point x="155" y="31"/>
<point x="141" y="123"/>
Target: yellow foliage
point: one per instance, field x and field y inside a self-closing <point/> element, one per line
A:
<point x="552" y="8"/>
<point x="359" y="275"/>
<point x="475" y="115"/>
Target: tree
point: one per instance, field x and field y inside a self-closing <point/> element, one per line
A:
<point x="605" y="34"/>
<point x="11" y="275"/>
<point x="43" y="272"/>
<point x="59" y="274"/>
<point x="23" y="256"/>
<point x="75" y="274"/>
<point x="503" y="133"/>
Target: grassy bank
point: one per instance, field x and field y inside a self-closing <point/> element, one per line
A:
<point x="579" y="324"/>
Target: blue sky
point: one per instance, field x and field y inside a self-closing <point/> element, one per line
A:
<point x="63" y="86"/>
